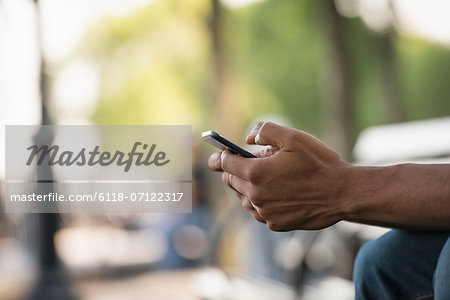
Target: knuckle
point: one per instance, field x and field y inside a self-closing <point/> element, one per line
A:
<point x="230" y="179"/>
<point x="226" y="178"/>
<point x="263" y="213"/>
<point x="247" y="205"/>
<point x="257" y="217"/>
<point x="264" y="129"/>
<point x="224" y="161"/>
<point x="214" y="162"/>
<point x="274" y="226"/>
<point x="266" y="126"/>
<point x="292" y="137"/>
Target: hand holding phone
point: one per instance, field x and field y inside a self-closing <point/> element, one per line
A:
<point x="222" y="143"/>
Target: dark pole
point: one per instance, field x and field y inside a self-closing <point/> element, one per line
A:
<point x="52" y="282"/>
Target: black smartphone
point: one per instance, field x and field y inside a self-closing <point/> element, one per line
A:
<point x="222" y="143"/>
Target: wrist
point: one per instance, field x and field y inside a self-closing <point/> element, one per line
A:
<point x="347" y="191"/>
<point x="364" y="191"/>
<point x="357" y="186"/>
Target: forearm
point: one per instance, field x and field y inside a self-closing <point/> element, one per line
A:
<point x="408" y="196"/>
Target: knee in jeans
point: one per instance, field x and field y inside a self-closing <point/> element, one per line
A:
<point x="370" y="261"/>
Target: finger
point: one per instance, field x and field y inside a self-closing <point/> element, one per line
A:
<point x="214" y="162"/>
<point x="227" y="182"/>
<point x="267" y="151"/>
<point x="254" y="132"/>
<point x="239" y="195"/>
<point x="236" y="183"/>
<point x="257" y="217"/>
<point x="248" y="206"/>
<point x="237" y="165"/>
<point x="226" y="179"/>
<point x="269" y="134"/>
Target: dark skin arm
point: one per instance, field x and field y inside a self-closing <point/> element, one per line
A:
<point x="299" y="183"/>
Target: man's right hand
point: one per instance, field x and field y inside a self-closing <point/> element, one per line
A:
<point x="295" y="184"/>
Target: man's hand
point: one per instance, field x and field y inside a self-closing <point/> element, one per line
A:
<point x="297" y="183"/>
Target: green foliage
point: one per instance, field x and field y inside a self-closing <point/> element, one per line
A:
<point x="275" y="50"/>
<point x="153" y="64"/>
<point x="425" y="73"/>
<point x="157" y="66"/>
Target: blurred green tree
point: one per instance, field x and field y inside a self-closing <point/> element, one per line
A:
<point x="202" y="63"/>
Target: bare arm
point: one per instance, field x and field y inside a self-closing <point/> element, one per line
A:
<point x="302" y="184"/>
<point x="409" y="196"/>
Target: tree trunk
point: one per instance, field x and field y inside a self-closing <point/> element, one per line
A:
<point x="224" y="109"/>
<point x="337" y="102"/>
<point x="392" y="92"/>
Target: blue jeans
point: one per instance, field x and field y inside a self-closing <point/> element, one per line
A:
<point x="404" y="265"/>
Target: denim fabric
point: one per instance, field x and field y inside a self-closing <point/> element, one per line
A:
<point x="441" y="278"/>
<point x="404" y="265"/>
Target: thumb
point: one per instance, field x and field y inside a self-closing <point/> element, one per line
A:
<point x="268" y="133"/>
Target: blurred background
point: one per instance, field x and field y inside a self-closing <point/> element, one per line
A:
<point x="368" y="77"/>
